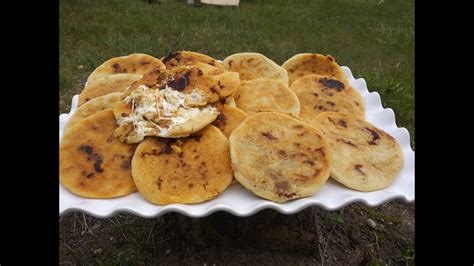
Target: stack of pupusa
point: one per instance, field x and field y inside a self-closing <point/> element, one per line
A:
<point x="285" y="148"/>
<point x="153" y="134"/>
<point x="179" y="128"/>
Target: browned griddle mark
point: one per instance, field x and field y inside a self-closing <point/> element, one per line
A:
<point x="301" y="134"/>
<point x="358" y="167"/>
<point x="287" y="195"/>
<point x="282" y="152"/>
<point x="274" y="177"/>
<point x="375" y="136"/>
<point x="195" y="137"/>
<point x="301" y="177"/>
<point x="126" y="163"/>
<point x="172" y="55"/>
<point x="331" y="120"/>
<point x="311" y="162"/>
<point x="110" y="138"/>
<point x="348" y="142"/>
<point x="214" y="89"/>
<point x="220" y="121"/>
<point x="268" y="135"/>
<point x="205" y="185"/>
<point x="88" y="175"/>
<point x="97" y="165"/>
<point x="115" y="156"/>
<point x="294" y="155"/>
<point x="332" y="84"/>
<point x="220" y="85"/>
<point x="342" y="123"/>
<point x="166" y="149"/>
<point x="320" y="150"/>
<point x="116" y="67"/>
<point x="159" y="183"/>
<point x="298" y="126"/>
<point x="203" y="170"/>
<point x="132" y="148"/>
<point x="282" y="188"/>
<point x="179" y="82"/>
<point x="315" y="94"/>
<point x="316" y="172"/>
<point x="331" y="103"/>
<point x="283" y="185"/>
<point x="86" y="148"/>
<point x="91" y="155"/>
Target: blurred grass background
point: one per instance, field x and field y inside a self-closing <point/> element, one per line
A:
<point x="375" y="38"/>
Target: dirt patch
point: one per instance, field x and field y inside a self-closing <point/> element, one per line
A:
<point x="312" y="236"/>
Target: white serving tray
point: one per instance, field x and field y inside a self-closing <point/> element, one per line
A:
<point x="238" y="201"/>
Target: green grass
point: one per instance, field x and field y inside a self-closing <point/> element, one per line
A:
<point x="379" y="216"/>
<point x="376" y="40"/>
<point x="407" y="255"/>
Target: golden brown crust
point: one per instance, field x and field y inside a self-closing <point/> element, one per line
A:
<point x="92" y="107"/>
<point x="278" y="157"/>
<point x="364" y="157"/>
<point x="319" y="94"/>
<point x="254" y="65"/>
<point x="304" y="64"/>
<point x="188" y="58"/>
<point x="186" y="170"/>
<point x="138" y="64"/>
<point x="93" y="163"/>
<point x="106" y="85"/>
<point x="264" y="94"/>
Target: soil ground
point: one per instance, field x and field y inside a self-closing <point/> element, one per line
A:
<point x="311" y="237"/>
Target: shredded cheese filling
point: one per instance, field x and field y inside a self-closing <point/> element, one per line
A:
<point x="155" y="111"/>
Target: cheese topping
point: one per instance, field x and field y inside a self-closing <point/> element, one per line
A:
<point x="157" y="112"/>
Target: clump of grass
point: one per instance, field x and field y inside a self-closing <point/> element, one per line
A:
<point x="407" y="255"/>
<point x="336" y="218"/>
<point x="380" y="216"/>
